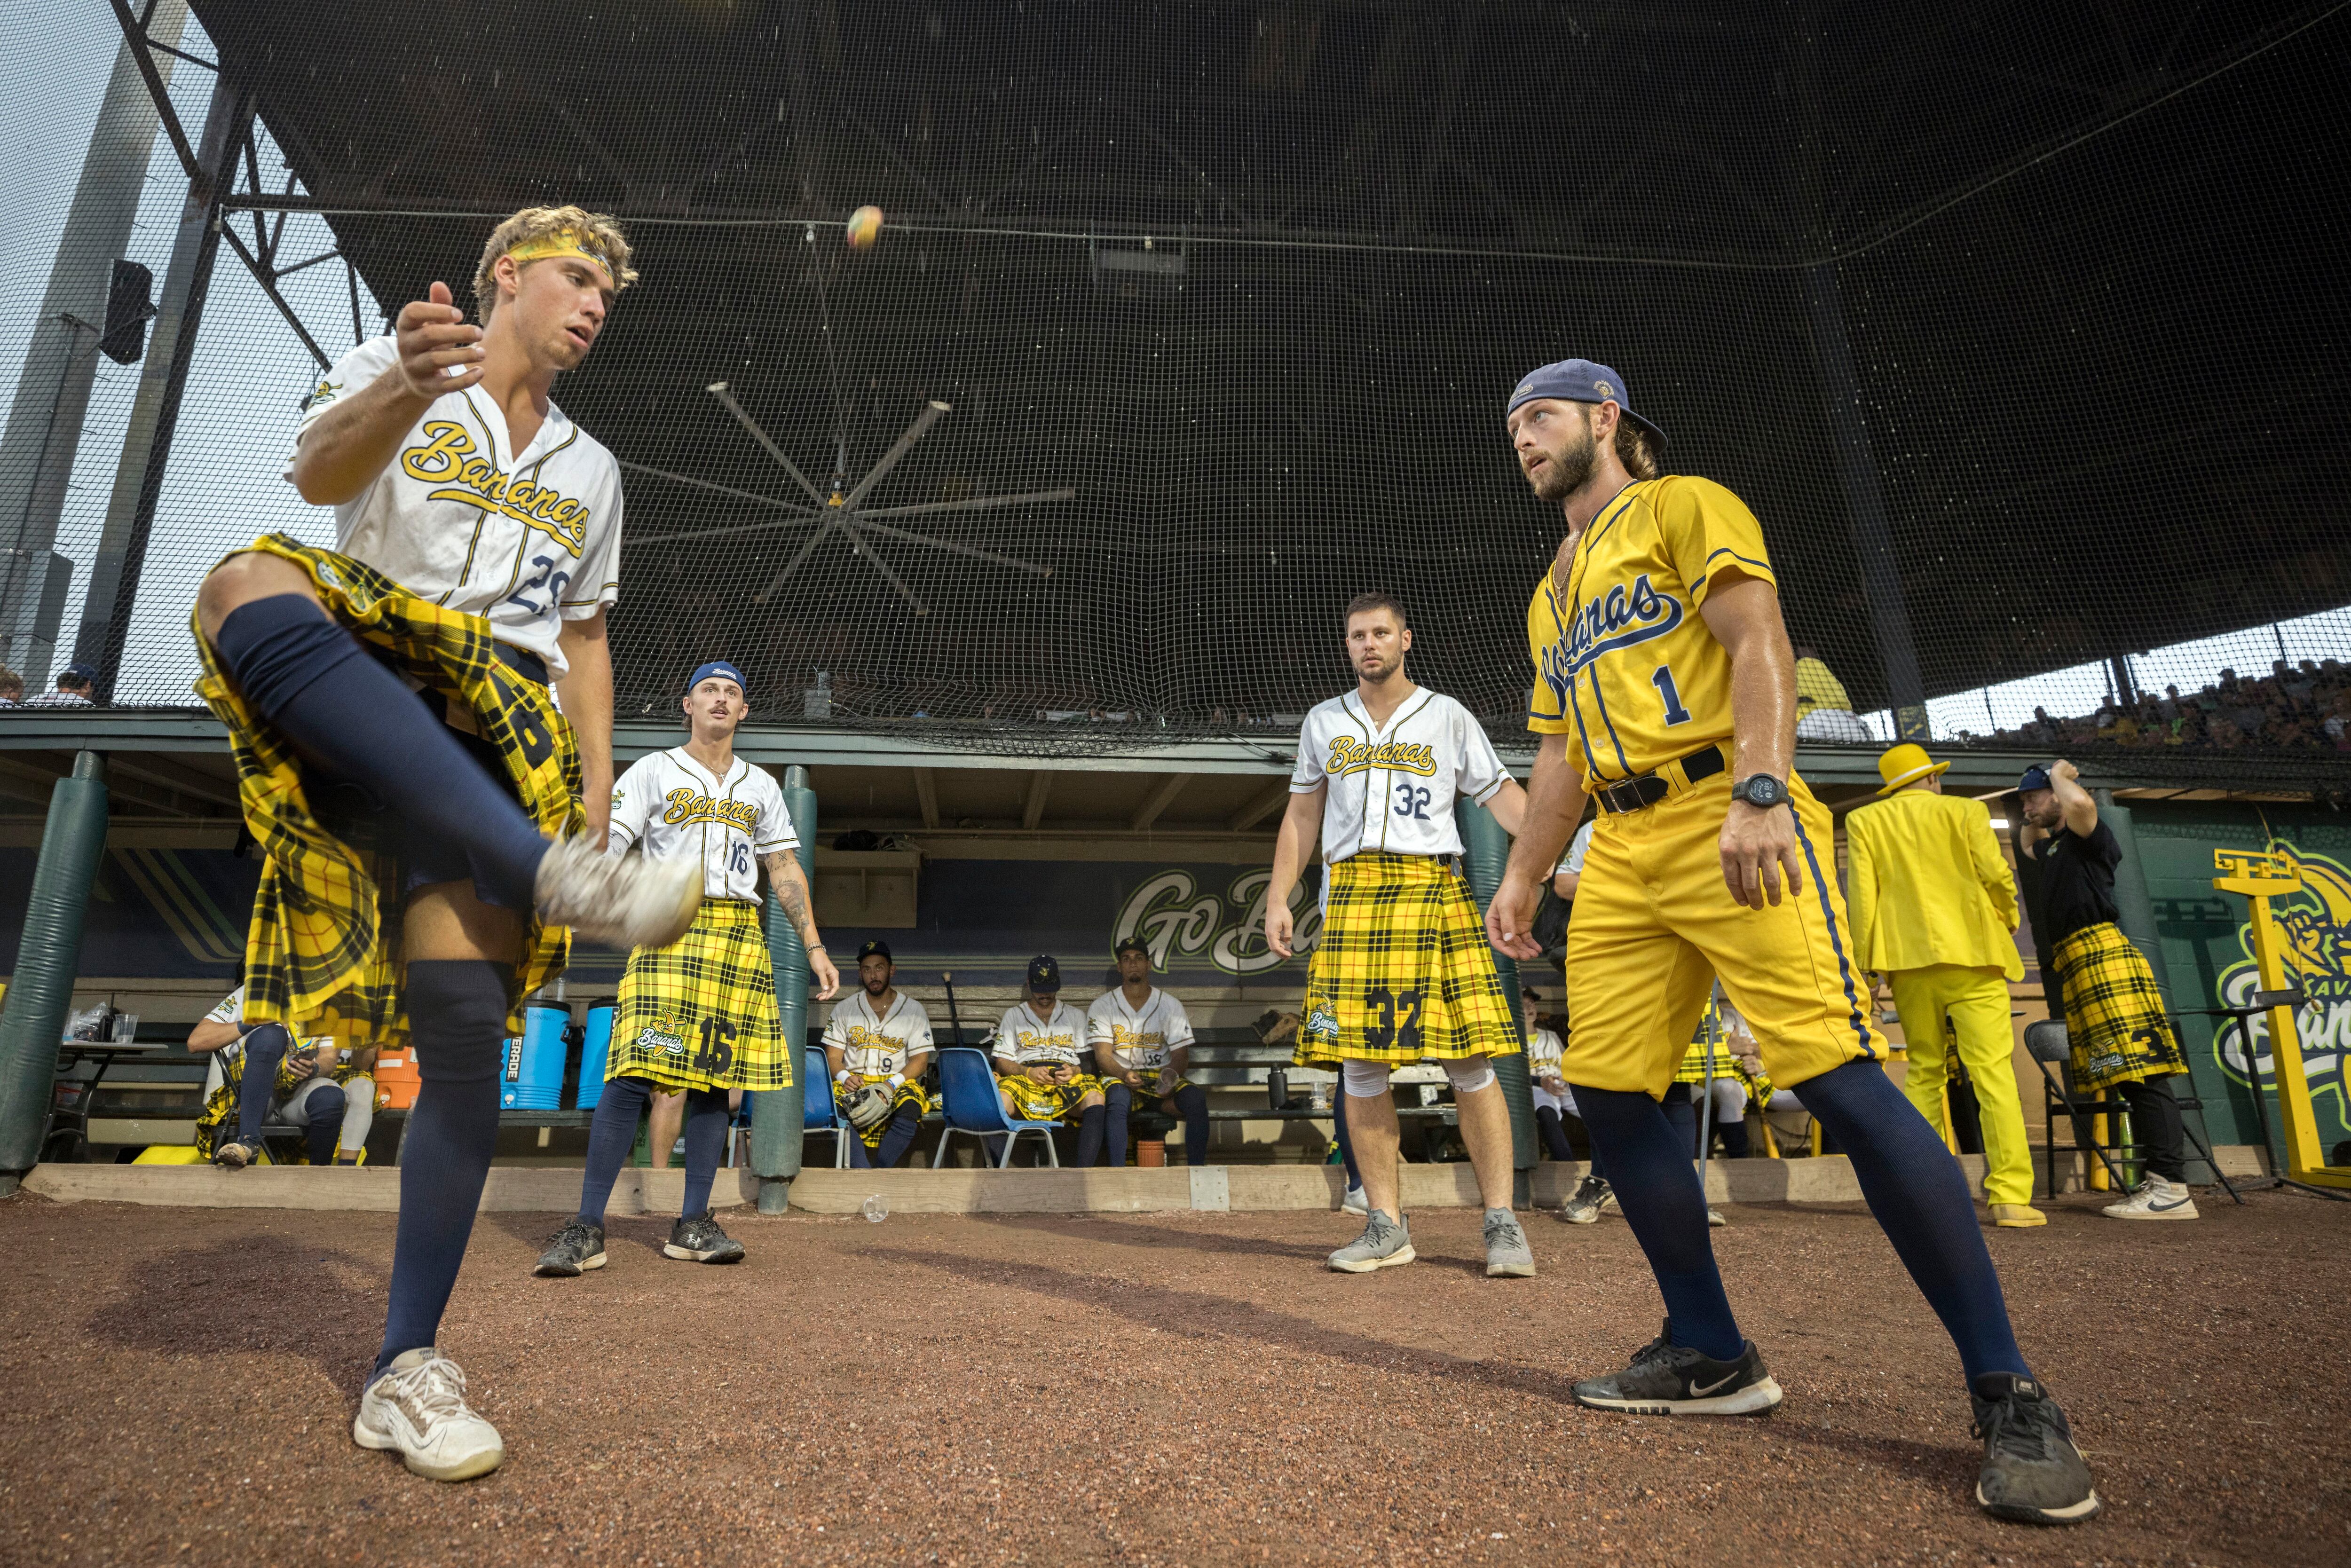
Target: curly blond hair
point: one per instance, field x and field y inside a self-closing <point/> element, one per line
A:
<point x="599" y="235"/>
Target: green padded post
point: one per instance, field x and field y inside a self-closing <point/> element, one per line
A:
<point x="1486" y="850"/>
<point x="33" y="1020"/>
<point x="777" y="1115"/>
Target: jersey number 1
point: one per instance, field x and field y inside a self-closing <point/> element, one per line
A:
<point x="1664" y="681"/>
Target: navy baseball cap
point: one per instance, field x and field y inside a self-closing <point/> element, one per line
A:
<point x="874" y="947"/>
<point x="2034" y="778"/>
<point x="1131" y="944"/>
<point x="78" y="671"/>
<point x="717" y="667"/>
<point x="1581" y="381"/>
<point x="1044" y="975"/>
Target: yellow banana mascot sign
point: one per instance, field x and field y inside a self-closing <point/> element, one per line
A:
<point x="2317" y="926"/>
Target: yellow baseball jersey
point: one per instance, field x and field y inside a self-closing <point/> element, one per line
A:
<point x="1624" y="668"/>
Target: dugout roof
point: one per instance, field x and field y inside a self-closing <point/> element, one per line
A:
<point x="1252" y="281"/>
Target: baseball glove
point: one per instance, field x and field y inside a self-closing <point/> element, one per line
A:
<point x="869" y="1107"/>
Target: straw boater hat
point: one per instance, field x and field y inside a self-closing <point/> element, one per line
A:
<point x="1907" y="764"/>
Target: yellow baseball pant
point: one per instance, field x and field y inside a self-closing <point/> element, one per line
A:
<point x="1655" y="926"/>
<point x="1976" y="1001"/>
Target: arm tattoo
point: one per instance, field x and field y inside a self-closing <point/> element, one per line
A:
<point x="793" y="896"/>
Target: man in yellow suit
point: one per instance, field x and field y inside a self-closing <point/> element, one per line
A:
<point x="1933" y="910"/>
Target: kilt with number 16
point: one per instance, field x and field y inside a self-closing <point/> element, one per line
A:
<point x="701" y="1012"/>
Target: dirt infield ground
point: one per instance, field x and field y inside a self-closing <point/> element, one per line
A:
<point x="1179" y="1388"/>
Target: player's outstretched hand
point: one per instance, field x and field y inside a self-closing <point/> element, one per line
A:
<point x="828" y="978"/>
<point x="1758" y="843"/>
<point x="1278" y="927"/>
<point x="433" y="339"/>
<point x="1510" y="918"/>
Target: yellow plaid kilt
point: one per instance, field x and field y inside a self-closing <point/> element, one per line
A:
<point x="2113" y="1014"/>
<point x="1158" y="1083"/>
<point x="909" y="1094"/>
<point x="1403" y="973"/>
<point x="220" y="1105"/>
<point x="1035" y="1101"/>
<point x="701" y="1012"/>
<point x="324" y="946"/>
<point x="1693" y="1070"/>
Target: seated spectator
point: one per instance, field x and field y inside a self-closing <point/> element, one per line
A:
<point x="880" y="1035"/>
<point x="74" y="685"/>
<point x="1141" y="1040"/>
<point x="259" y="1077"/>
<point x="12" y="688"/>
<point x="1823" y="711"/>
<point x="1038" y="1047"/>
<point x="1739" y="1075"/>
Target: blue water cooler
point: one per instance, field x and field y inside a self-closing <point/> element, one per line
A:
<point x="533" y="1080"/>
<point x="593" y="1050"/>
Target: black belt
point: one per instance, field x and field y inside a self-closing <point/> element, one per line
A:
<point x="1639" y="794"/>
<point x="522" y="662"/>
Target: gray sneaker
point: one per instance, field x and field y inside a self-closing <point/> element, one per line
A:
<point x="1351" y="1201"/>
<point x="1584" y="1205"/>
<point x="1508" y="1256"/>
<point x="1385" y="1241"/>
<point x="618" y="901"/>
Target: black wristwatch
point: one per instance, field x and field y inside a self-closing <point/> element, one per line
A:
<point x="1761" y="789"/>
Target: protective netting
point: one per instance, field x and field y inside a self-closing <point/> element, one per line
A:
<point x="2008" y="320"/>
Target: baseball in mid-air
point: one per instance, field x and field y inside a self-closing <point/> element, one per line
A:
<point x="864" y="228"/>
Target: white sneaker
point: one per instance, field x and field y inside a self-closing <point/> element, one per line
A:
<point x="618" y="901"/>
<point x="2155" y="1199"/>
<point x="1353" y="1202"/>
<point x="418" y="1406"/>
<point x="1714" y="1216"/>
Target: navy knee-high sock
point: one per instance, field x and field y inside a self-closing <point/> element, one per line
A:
<point x="1192" y="1100"/>
<point x="1118" y="1103"/>
<point x="1089" y="1134"/>
<point x="320" y="689"/>
<point x="1554" y="1135"/>
<point x="1920" y="1196"/>
<point x="611" y="1135"/>
<point x="898" y="1139"/>
<point x="264" y="1048"/>
<point x="705" y="1139"/>
<point x="457" y="1014"/>
<point x="1338" y="1134"/>
<point x="325" y="1128"/>
<point x="1657" y="1187"/>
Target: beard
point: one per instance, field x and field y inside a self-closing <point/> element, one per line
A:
<point x="875" y="984"/>
<point x="1569" y="470"/>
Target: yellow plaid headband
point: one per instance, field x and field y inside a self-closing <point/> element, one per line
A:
<point x="563" y="242"/>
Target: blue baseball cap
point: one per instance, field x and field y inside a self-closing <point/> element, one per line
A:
<point x="717" y="668"/>
<point x="1581" y="381"/>
<point x="2034" y="778"/>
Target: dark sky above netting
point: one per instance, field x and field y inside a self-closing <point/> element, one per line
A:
<point x="2075" y="254"/>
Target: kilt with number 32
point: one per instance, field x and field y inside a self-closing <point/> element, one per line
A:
<point x="701" y="1012"/>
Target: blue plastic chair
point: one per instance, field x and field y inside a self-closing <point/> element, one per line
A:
<point x="968" y="1084"/>
<point x="818" y="1113"/>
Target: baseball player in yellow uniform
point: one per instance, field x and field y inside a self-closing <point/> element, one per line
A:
<point x="1039" y="1053"/>
<point x="1665" y="687"/>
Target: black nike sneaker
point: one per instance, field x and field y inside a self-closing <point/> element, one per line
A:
<point x="697" y="1239"/>
<point x="577" y="1248"/>
<point x="2032" y="1471"/>
<point x="1667" y="1379"/>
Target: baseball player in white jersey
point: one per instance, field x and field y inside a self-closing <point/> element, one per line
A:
<point x="397" y="741"/>
<point x="1141" y="1040"/>
<point x="1039" y="1053"/>
<point x="878" y="1045"/>
<point x="262" y="1075"/>
<point x="696" y="1016"/>
<point x="1403" y="973"/>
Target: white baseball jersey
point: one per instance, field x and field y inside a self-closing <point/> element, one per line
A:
<point x="526" y="539"/>
<point x="877" y="1045"/>
<point x="1543" y="1054"/>
<point x="1393" y="789"/>
<point x="1025" y="1038"/>
<point x="231" y="1010"/>
<point x="678" y="807"/>
<point x="1577" y="848"/>
<point x="1139" y="1038"/>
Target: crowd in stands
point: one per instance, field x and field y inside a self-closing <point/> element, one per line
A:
<point x="2302" y="707"/>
